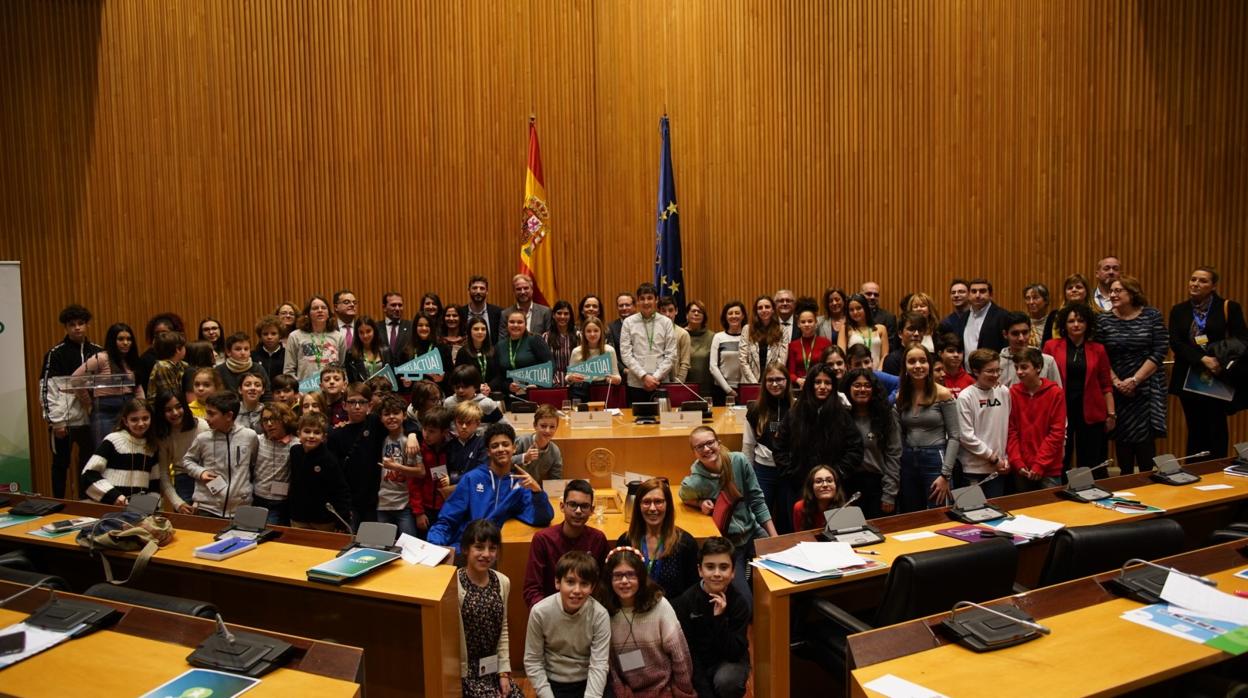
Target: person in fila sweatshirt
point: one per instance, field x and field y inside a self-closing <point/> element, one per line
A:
<point x="983" y="422"/>
<point x="1037" y="433"/>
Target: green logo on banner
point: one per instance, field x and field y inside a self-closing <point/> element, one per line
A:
<point x="541" y="375"/>
<point x="597" y="367"/>
<point x="423" y="365"/>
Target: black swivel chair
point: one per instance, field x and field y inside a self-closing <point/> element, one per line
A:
<point x="918" y="585"/>
<point x="148" y="599"/>
<point x="1081" y="551"/>
<point x="28" y="577"/>
<point x="1235" y="531"/>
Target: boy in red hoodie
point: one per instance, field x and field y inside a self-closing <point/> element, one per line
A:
<point x="429" y="488"/>
<point x="1037" y="434"/>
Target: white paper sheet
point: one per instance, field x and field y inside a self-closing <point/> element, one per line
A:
<point x="1188" y="593"/>
<point x="914" y="536"/>
<point x="897" y="687"/>
<point x="418" y="552"/>
<point x="37" y="640"/>
<point x="1209" y="488"/>
<point x="1031" y="527"/>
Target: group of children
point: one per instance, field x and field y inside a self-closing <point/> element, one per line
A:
<point x="607" y="627"/>
<point x="350" y="452"/>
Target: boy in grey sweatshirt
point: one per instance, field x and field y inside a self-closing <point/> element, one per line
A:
<point x="568" y="640"/>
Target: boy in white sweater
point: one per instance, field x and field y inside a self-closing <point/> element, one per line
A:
<point x="984" y="423"/>
<point x="568" y="640"/>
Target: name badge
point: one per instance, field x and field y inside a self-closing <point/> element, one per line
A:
<point x="630" y="661"/>
<point x="279" y="489"/>
<point x="1202" y="340"/>
<point x="216" y="485"/>
<point x="487" y="665"/>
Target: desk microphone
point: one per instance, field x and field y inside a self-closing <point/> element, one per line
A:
<point x="41" y="584"/>
<point x="1043" y="630"/>
<point x="1202" y="454"/>
<point x="1104" y="464"/>
<point x="979" y="484"/>
<point x="330" y="508"/>
<point x="1203" y="580"/>
<point x="852" y="498"/>
<point x="224" y="631"/>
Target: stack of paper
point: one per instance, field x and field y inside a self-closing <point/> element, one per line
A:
<point x="1197" y="612"/>
<point x="808" y="561"/>
<point x="418" y="552"/>
<point x="1029" y="527"/>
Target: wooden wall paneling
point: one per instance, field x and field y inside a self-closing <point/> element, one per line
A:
<point x="219" y="157"/>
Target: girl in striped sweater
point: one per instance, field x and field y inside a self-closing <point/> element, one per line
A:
<point x="125" y="463"/>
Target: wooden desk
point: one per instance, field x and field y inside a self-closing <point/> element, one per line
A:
<point x="405" y="617"/>
<point x="518" y="537"/>
<point x="648" y="448"/>
<point x="149" y="647"/>
<point x="1200" y="512"/>
<point x="1085" y="623"/>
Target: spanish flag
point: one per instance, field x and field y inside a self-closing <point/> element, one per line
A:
<point x="535" y="252"/>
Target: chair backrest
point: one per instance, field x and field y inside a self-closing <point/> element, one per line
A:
<point x="150" y="599"/>
<point x="547" y="396"/>
<point x="931" y="582"/>
<point x="613" y="395"/>
<point x="678" y="394"/>
<point x="18" y="575"/>
<point x="747" y="392"/>
<point x="1080" y="551"/>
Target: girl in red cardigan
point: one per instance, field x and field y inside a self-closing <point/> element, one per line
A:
<point x="1037" y="433"/>
<point x="805" y="350"/>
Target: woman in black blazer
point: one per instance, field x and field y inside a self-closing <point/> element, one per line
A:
<point x="1195" y="325"/>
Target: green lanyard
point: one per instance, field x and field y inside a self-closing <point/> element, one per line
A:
<point x="511" y="351"/>
<point x="648" y="323"/>
<point x="316" y="348"/>
<point x="481" y="362"/>
<point x="806" y="355"/>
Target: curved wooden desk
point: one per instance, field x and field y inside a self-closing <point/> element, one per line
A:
<point x="647" y="448"/>
<point x="1199" y="511"/>
<point x="406" y="617"/>
<point x="1085" y="622"/>
<point x="149" y="647"/>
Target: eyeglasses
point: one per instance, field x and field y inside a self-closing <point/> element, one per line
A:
<point x="825" y="481"/>
<point x="623" y="576"/>
<point x="268" y="420"/>
<point x="1116" y="291"/>
<point x="653" y="503"/>
<point x="578" y="506"/>
<point x="706" y="445"/>
<point x="776" y="379"/>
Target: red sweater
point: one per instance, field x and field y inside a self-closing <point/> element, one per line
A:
<point x="549" y="544"/>
<point x="1037" y="435"/>
<point x="800" y="350"/>
<point x="423" y="492"/>
<point x="955" y="382"/>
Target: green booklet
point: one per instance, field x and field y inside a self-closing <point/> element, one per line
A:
<point x="7" y="520"/>
<point x="353" y="564"/>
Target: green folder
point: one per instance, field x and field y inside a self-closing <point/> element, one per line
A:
<point x="355" y="563"/>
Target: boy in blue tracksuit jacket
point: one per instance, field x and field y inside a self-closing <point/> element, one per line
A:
<point x="498" y="492"/>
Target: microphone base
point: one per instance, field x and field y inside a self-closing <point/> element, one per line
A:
<point x="1178" y="479"/>
<point x="984" y="632"/>
<point x="864" y="536"/>
<point x="250" y="654"/>
<point x="1141" y="584"/>
<point x="979" y="514"/>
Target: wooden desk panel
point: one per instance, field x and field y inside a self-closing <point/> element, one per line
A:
<point x="405" y="616"/>
<point x="116" y="662"/>
<point x="1084" y="619"/>
<point x="517" y="540"/>
<point x="648" y="448"/>
<point x="1200" y="512"/>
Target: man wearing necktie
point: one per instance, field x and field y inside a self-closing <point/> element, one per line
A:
<point x="396" y="330"/>
<point x="346" y="307"/>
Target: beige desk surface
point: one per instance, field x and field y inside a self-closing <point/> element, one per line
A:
<point x="1091" y="652"/>
<point x="1172" y="499"/>
<point x="622" y="427"/>
<point x="273" y="561"/>
<point x="108" y="663"/>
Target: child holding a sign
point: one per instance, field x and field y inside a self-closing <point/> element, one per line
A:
<point x="593" y="344"/>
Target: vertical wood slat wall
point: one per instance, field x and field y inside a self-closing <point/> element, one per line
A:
<point x="214" y="157"/>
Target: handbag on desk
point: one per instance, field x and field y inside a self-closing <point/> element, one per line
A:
<point x="127" y="531"/>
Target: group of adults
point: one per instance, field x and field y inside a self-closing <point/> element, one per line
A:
<point x="1108" y="323"/>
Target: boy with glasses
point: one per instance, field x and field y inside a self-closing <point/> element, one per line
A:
<point x="550" y="544"/>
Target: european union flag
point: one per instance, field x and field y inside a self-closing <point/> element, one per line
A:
<point x="669" y="273"/>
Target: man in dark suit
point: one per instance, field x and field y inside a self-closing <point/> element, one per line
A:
<point x="959" y="293"/>
<point x="346" y="309"/>
<point x="984" y="325"/>
<point x="626" y="305"/>
<point x="537" y="315"/>
<point x="395" y="331"/>
<point x="871" y="291"/>
<point x="478" y="306"/>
